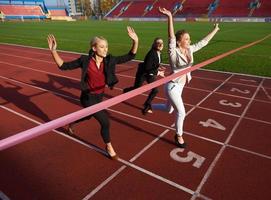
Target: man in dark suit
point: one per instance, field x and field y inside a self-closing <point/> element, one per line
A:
<point x="148" y="71"/>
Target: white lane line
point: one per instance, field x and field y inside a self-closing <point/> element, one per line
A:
<point x="201" y="196"/>
<point x="149" y="145"/>
<point x="211" y="167"/>
<point x="104" y="183"/>
<point x="122" y="75"/>
<point x="157" y="176"/>
<point x="132" y="77"/>
<point x="77" y="141"/>
<point x="249" y="151"/>
<point x="58" y="75"/>
<point x="126" y="163"/>
<point x="123" y="161"/>
<point x="97" y="149"/>
<point x="27" y="58"/>
<point x="235" y="73"/>
<point x="150" y="173"/>
<point x="203" y="138"/>
<point x="41" y="71"/>
<point x="266" y="93"/>
<point x="132" y="116"/>
<point x="115" y="111"/>
<point x="99" y="187"/>
<point x="150" y="122"/>
<point x="58" y="132"/>
<point x="45" y="61"/>
<point x="126" y="76"/>
<point x="207" y="96"/>
<point x="258" y="120"/>
<point x="135" y="60"/>
<point x="76" y="79"/>
<point x="45" y="52"/>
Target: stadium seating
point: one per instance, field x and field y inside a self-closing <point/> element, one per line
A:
<point x="20" y="10"/>
<point x="117" y="11"/>
<point x="25" y="11"/>
<point x="191" y="8"/>
<point x="163" y="4"/>
<point x="264" y="9"/>
<point x="136" y="8"/>
<point x="58" y="14"/>
<point x="195" y="8"/>
<point x="232" y="8"/>
<point x="149" y="8"/>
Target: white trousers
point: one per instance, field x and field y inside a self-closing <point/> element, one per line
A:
<point x="174" y="102"/>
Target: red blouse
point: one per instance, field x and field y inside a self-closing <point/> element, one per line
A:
<point x="96" y="77"/>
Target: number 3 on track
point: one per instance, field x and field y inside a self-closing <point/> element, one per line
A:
<point x="190" y="156"/>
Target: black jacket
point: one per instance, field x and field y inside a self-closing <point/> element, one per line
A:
<point x="151" y="63"/>
<point x="109" y="67"/>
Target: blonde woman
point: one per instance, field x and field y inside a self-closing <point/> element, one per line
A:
<point x="98" y="70"/>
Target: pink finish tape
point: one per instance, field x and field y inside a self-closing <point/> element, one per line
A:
<point x="62" y="121"/>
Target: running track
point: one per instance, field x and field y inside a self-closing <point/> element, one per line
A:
<point x="227" y="128"/>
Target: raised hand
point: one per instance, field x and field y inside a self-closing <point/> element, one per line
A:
<point x="216" y="26"/>
<point x="52" y="46"/>
<point x="52" y="42"/>
<point x="132" y="34"/>
<point x="165" y="12"/>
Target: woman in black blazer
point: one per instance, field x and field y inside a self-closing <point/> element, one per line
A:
<point x="148" y="71"/>
<point x="97" y="71"/>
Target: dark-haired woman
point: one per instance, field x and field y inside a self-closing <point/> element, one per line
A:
<point x="148" y="71"/>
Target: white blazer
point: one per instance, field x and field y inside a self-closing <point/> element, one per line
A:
<point x="178" y="61"/>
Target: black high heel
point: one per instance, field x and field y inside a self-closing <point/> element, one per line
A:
<point x="181" y="145"/>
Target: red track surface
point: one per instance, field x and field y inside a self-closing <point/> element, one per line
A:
<point x="231" y="160"/>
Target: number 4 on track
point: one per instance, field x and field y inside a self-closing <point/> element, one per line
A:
<point x="212" y="123"/>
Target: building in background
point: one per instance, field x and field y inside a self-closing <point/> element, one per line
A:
<point x="97" y="7"/>
<point x="75" y="7"/>
<point x="78" y="7"/>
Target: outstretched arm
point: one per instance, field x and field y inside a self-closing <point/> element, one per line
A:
<point x="52" y="46"/>
<point x="170" y="21"/>
<point x="171" y="35"/>
<point x="131" y="55"/>
<point x="212" y="33"/>
<point x="197" y="46"/>
<point x="132" y="34"/>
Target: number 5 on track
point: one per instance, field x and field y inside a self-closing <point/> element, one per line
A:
<point x="189" y="157"/>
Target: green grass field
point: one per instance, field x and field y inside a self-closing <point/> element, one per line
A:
<point x="75" y="36"/>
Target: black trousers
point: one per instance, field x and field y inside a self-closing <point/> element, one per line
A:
<point x="140" y="78"/>
<point x="88" y="99"/>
